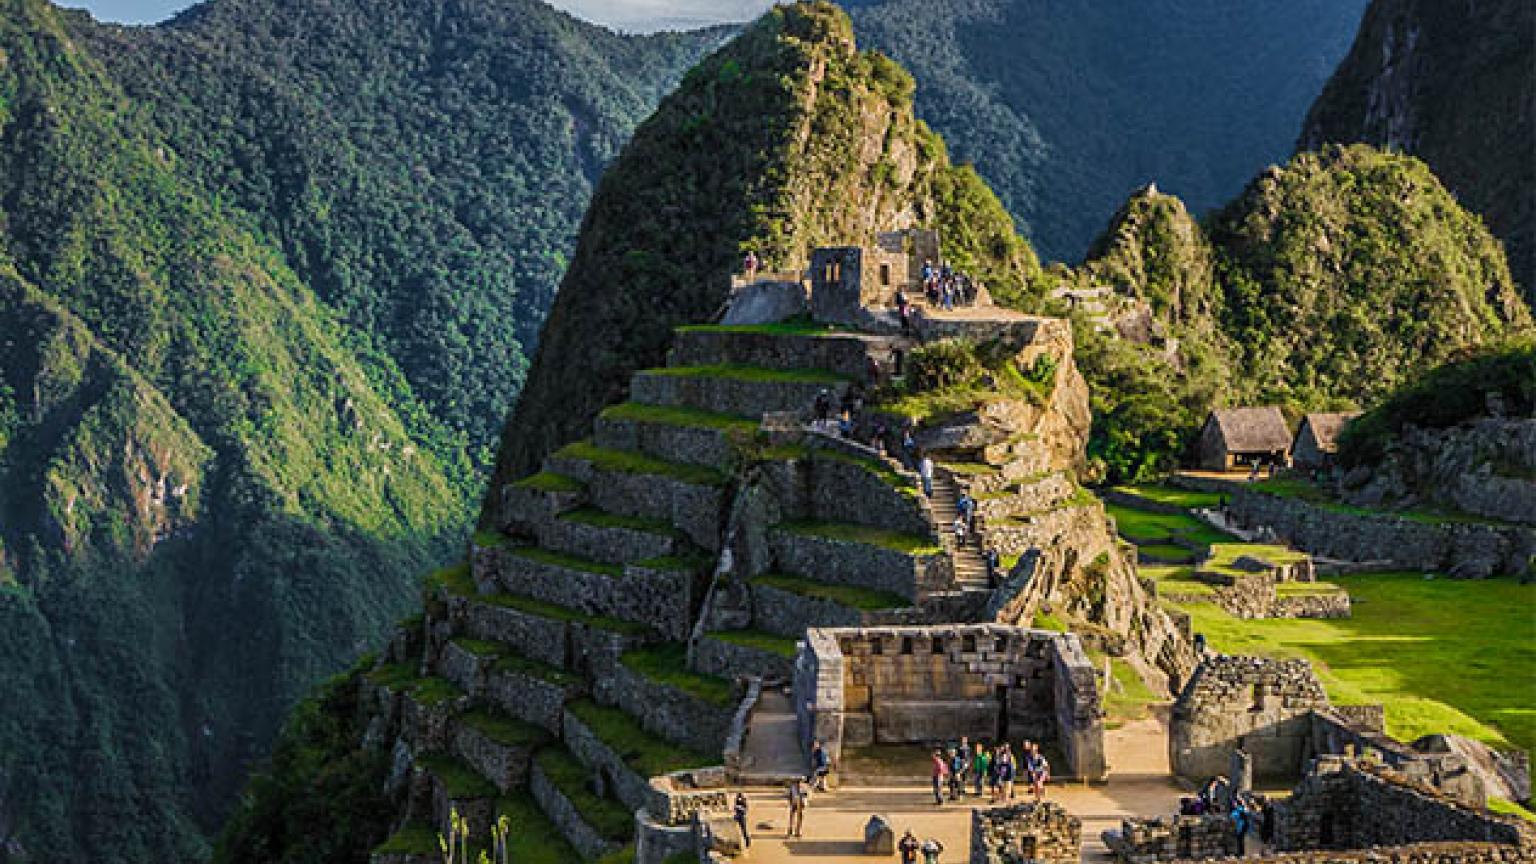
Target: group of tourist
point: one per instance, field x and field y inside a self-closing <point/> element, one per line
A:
<point x="991" y="772"/>
<point x="1250" y="814"/>
<point x="946" y="288"/>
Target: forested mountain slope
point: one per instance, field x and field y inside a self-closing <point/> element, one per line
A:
<point x="1067" y="107"/>
<point x="1454" y="83"/>
<point x="264" y="277"/>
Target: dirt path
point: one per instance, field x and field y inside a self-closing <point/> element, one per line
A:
<point x="834" y="825"/>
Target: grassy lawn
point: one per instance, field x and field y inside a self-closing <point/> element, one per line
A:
<point x="503" y="729"/>
<point x="648" y="755"/>
<point x="1224" y="556"/>
<point x="1442" y="655"/>
<point x="752" y="374"/>
<point x="630" y="462"/>
<point x="1186" y="498"/>
<point x="456" y="579"/>
<point x="1167" y="552"/>
<point x="1126" y="699"/>
<point x="608" y="818"/>
<point x="692" y="418"/>
<point x="846" y="595"/>
<point x="1144" y="527"/>
<point x="459" y="779"/>
<point x="535" y="840"/>
<point x="852" y="533"/>
<point x="668" y="664"/>
<point x="413" y="838"/>
<point x="770" y="643"/>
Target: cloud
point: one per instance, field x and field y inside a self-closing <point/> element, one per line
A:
<point x="646" y="16"/>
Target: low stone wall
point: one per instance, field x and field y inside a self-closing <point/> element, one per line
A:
<point x="1041" y="833"/>
<point x="1344" y="804"/>
<point x="667" y="712"/>
<point x="1336" y="605"/>
<point x="1172" y="838"/>
<point x="847" y="355"/>
<point x="744" y="398"/>
<point x="1423" y="853"/>
<point x="566" y="817"/>
<point x="693" y="509"/>
<point x="1465" y="549"/>
<point x="786" y="613"/>
<point x="736" y="735"/>
<point x="861" y="564"/>
<point x="657" y="597"/>
<point x="1033" y="495"/>
<point x="1334" y="734"/>
<point x="845" y="491"/>
<point x="538" y="638"/>
<point x="696" y="445"/>
<point x="503" y="764"/>
<point x="466" y="669"/>
<point x="632" y="790"/>
<point x="728" y="660"/>
<point x="678" y="797"/>
<point x="530" y="698"/>
<point x="1079" y="714"/>
<point x="1262" y="706"/>
<point x="606" y="543"/>
<point x="656" y="842"/>
<point x="427" y="725"/>
<point x="523" y="509"/>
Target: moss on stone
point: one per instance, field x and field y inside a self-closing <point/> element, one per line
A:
<point x="667" y="664"/>
<point x="648" y="755"/>
<point x="541" y="555"/>
<point x="630" y="462"/>
<point x="853" y="597"/>
<point x="458" y="779"/>
<point x="610" y="819"/>
<point x="759" y="640"/>
<point x="550" y="481"/>
<point x="849" y="532"/>
<point x="691" y="418"/>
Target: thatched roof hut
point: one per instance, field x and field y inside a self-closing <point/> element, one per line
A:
<point x="1237" y="435"/>
<point x="1317" y="439"/>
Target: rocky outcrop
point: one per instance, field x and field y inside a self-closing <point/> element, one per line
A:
<point x="1486" y="468"/>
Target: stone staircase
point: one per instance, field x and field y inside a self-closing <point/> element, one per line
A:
<point x="969" y="567"/>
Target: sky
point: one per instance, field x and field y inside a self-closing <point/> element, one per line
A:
<point x="639" y="16"/>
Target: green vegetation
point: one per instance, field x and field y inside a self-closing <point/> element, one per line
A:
<point x="846" y="595"/>
<point x="320" y="788"/>
<point x="648" y="755"/>
<point x="549" y="481"/>
<point x="1049" y="621"/>
<point x="903" y="483"/>
<point x="395" y="676"/>
<point x="1444" y="397"/>
<point x="631" y="462"/>
<point x="435" y="691"/>
<point x="610" y="819"/>
<point x="791" y="327"/>
<point x="1189" y="499"/>
<point x="675" y="416"/>
<point x="952" y="376"/>
<point x="455" y="579"/>
<point x="534" y="839"/>
<point x="491" y="539"/>
<point x="626" y="855"/>
<point x="569" y="562"/>
<point x="667" y="664"/>
<point x="517" y="663"/>
<point x="479" y="647"/>
<point x="604" y="519"/>
<point x="1222" y="557"/>
<point x="562" y="613"/>
<point x="1126" y="696"/>
<point x="771" y="643"/>
<point x="754" y="374"/>
<point x="413" y="838"/>
<point x="851" y="533"/>
<point x="1510" y="808"/>
<point x="1406" y="645"/>
<point x="1147" y="529"/>
<point x="691" y="564"/>
<point x="503" y="729"/>
<point x="458" y="779"/>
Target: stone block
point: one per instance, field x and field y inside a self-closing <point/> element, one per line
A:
<point x="879" y="836"/>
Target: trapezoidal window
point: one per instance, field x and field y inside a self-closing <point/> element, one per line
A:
<point x="968" y="644"/>
<point x="938" y="645"/>
<point x="1258" y="698"/>
<point x="906" y="644"/>
<point x="885" y="274"/>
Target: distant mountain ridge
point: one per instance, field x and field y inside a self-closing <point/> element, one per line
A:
<point x="1452" y="82"/>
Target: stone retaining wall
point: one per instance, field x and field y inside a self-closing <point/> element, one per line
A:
<point x="1034" y="495"/>
<point x="786" y="613"/>
<point x="1170" y="838"/>
<point x="530" y="698"/>
<point x="844" y="491"/>
<point x="744" y="398"/>
<point x="846" y="355"/>
<point x="861" y="564"/>
<point x="655" y="842"/>
<point x="1423" y="853"/>
<point x="621" y="781"/>
<point x="607" y="543"/>
<point x="1041" y="833"/>
<point x="566" y="817"/>
<point x="693" y="509"/>
<point x="1344" y="804"/>
<point x="538" y="638"/>
<point x="728" y="660"/>
<point x="666" y="711"/>
<point x="1261" y="705"/>
<point x="660" y="598"/>
<point x="503" y="764"/>
<point x="1467" y="549"/>
<point x="523" y="509"/>
<point x="1336" y="605"/>
<point x="695" y="445"/>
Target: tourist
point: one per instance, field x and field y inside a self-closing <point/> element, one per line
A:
<point x="940" y="771"/>
<point x="995" y="773"/>
<point x="908" y="848"/>
<point x="966" y="505"/>
<point x="958" y="763"/>
<point x="925" y="473"/>
<point x="823" y="405"/>
<point x="1006" y="770"/>
<point x="796" y="795"/>
<point x="739" y="813"/>
<point x="1242" y="821"/>
<point x="960" y="530"/>
<point x="994" y="574"/>
<point x="845" y="424"/>
<point x="931" y="850"/>
<point x="981" y="765"/>
<point x="1266" y="820"/>
<point x="1038" y="770"/>
<point x="821" y="766"/>
<point x="750" y="265"/>
<point x="908" y="448"/>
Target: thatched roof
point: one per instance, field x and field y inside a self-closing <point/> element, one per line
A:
<point x="1326" y="428"/>
<point x="1253" y="430"/>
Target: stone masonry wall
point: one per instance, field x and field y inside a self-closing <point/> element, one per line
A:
<point x="728" y="660"/>
<point x="1259" y="704"/>
<point x="667" y="712"/>
<point x="1468" y="549"/>
<point x="844" y="491"/>
<point x="1035" y="833"/>
<point x="1169" y="838"/>
<point x="847" y="355"/>
<point x="1345" y="804"/>
<point x="860" y="564"/>
<point x="565" y="816"/>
